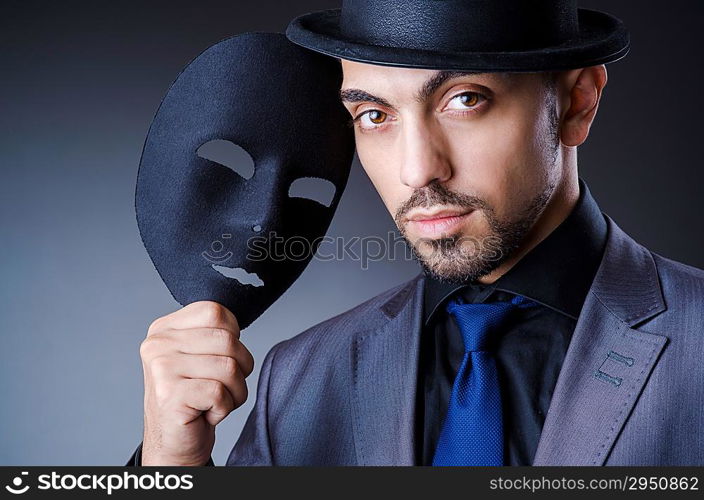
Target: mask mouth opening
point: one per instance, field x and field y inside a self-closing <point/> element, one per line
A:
<point x="240" y="274"/>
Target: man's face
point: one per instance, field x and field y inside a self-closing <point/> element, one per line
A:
<point x="465" y="163"/>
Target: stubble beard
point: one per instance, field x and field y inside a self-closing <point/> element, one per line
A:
<point x="461" y="258"/>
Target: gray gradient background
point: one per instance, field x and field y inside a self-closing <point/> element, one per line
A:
<point x="80" y="84"/>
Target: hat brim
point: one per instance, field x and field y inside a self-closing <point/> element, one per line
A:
<point x="602" y="39"/>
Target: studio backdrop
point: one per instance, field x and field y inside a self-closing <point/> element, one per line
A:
<point x="81" y="82"/>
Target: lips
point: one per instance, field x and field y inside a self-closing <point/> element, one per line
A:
<point x="437" y="223"/>
<point x="438" y="214"/>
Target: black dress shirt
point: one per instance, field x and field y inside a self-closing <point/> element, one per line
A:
<point x="557" y="274"/>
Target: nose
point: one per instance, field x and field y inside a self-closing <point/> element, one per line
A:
<point x="424" y="158"/>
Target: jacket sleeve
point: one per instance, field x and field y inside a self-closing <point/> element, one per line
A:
<point x="136" y="458"/>
<point x="254" y="444"/>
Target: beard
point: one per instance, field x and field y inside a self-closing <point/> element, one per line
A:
<point x="461" y="259"/>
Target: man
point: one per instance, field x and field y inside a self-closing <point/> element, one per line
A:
<point x="538" y="332"/>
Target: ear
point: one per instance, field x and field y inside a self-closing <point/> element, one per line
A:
<point x="580" y="92"/>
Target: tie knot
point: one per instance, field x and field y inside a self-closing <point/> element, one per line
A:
<point x="477" y="321"/>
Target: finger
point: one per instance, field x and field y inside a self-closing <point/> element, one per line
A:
<point x="224" y="369"/>
<point x="201" y="314"/>
<point x="208" y="396"/>
<point x="202" y="341"/>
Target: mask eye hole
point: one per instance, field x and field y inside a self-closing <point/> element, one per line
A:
<point x="228" y="154"/>
<point x="313" y="188"/>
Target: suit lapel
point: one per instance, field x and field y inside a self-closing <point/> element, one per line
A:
<point x="384" y="371"/>
<point x="608" y="360"/>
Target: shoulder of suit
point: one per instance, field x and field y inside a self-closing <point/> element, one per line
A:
<point x="682" y="287"/>
<point x="336" y="331"/>
<point x="676" y="271"/>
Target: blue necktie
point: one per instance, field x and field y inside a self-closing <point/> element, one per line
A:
<point x="472" y="433"/>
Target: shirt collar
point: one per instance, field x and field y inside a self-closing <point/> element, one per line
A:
<point x="557" y="272"/>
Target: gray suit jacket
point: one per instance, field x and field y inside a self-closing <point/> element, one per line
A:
<point x="630" y="392"/>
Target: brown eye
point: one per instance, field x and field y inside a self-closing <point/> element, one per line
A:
<point x="377" y="117"/>
<point x="469" y="102"/>
<point x="469" y="99"/>
<point x="371" y="119"/>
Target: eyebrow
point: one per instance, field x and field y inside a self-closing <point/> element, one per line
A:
<point x="358" y="95"/>
<point x="428" y="88"/>
<point x="436" y="81"/>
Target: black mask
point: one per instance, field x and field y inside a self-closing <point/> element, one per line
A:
<point x="207" y="228"/>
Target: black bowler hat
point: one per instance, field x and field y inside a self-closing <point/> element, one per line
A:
<point x="481" y="35"/>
